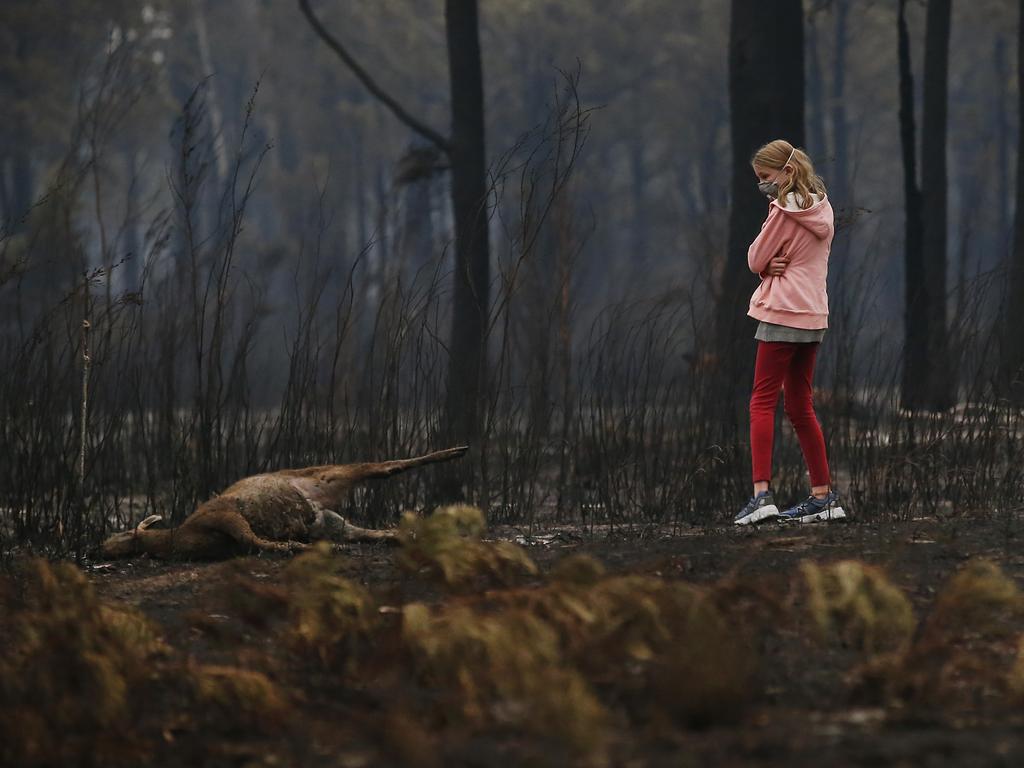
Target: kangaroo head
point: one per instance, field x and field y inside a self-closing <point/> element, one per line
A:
<point x="128" y="543"/>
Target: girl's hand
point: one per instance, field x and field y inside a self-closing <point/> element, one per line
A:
<point x="777" y="265"/>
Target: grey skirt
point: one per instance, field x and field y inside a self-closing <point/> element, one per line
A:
<point x="774" y="332"/>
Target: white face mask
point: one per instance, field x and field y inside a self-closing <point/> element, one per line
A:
<point x="770" y="189"/>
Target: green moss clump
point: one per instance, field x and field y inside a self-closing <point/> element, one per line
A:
<point x="69" y="667"/>
<point x="327" y="613"/>
<point x="503" y="669"/>
<point x="857" y="604"/>
<point x="240" y="699"/>
<point x="446" y="546"/>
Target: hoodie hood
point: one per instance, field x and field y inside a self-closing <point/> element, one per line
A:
<point x="819" y="219"/>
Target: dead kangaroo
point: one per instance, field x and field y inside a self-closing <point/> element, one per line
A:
<point x="276" y="512"/>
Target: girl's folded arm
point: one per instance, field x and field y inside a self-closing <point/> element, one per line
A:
<point x="767" y="243"/>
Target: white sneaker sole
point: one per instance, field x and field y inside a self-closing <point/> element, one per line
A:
<point x="826" y="515"/>
<point x="759" y="514"/>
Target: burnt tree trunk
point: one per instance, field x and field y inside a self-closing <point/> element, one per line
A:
<point x="132" y="243"/>
<point x="1000" y="108"/>
<point x="5" y="201"/>
<point x="17" y="135"/>
<point x="469" y="202"/>
<point x="417" y="236"/>
<point x="815" y="93"/>
<point x="915" y="316"/>
<point x="20" y="197"/>
<point x="839" y="184"/>
<point x="1013" y="316"/>
<point x="766" y="100"/>
<point x="939" y="373"/>
<point x="641" y="222"/>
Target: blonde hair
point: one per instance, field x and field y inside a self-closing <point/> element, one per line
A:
<point x="803" y="180"/>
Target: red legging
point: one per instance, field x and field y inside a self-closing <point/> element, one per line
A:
<point x="789" y="365"/>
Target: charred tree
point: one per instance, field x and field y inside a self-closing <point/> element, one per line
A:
<point x="469" y="203"/>
<point x="928" y="379"/>
<point x="839" y="183"/>
<point x="1000" y="108"/>
<point x="1012" y="375"/>
<point x="18" y="194"/>
<point x="915" y="315"/>
<point x="815" y="90"/>
<point x="939" y="374"/>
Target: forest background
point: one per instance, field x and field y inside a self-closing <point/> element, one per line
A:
<point x="222" y="253"/>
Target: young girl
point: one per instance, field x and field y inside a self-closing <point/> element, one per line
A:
<point x="791" y="257"/>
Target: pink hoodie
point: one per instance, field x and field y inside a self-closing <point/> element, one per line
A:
<point x="796" y="298"/>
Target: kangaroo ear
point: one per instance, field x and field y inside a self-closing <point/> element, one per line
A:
<point x="148" y="522"/>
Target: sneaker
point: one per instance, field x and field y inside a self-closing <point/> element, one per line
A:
<point x="760" y="507"/>
<point x="813" y="509"/>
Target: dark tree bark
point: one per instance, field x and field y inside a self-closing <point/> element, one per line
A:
<point x="766" y="98"/>
<point x="359" y="179"/>
<point x="915" y="316"/>
<point x="1012" y="374"/>
<point x="417" y="236"/>
<point x="939" y="374"/>
<point x="641" y="223"/>
<point x="5" y="200"/>
<point x="382" y="268"/>
<point x="17" y="136"/>
<point x="132" y="241"/>
<point x="1002" y="75"/>
<point x="815" y="94"/>
<point x="839" y="184"/>
<point x="22" y="192"/>
<point x="469" y="201"/>
<point x="714" y="190"/>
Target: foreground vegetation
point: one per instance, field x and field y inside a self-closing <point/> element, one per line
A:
<point x="459" y="650"/>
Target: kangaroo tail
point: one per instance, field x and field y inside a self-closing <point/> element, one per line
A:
<point x="384" y="469"/>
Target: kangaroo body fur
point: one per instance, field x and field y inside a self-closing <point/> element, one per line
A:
<point x="275" y="512"/>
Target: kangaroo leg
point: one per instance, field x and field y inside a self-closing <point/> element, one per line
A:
<point x="238" y="528"/>
<point x="382" y="469"/>
<point x="331" y="526"/>
<point x="338" y="529"/>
